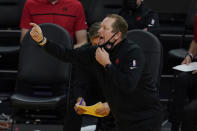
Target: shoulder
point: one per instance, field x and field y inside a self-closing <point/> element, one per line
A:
<point x="147" y="11"/>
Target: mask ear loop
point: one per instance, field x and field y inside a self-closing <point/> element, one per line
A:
<point x="112" y="36"/>
<point x="112" y="43"/>
<point x="108" y="42"/>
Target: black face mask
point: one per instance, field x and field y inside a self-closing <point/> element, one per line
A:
<point x="108" y="46"/>
<point x="130" y="4"/>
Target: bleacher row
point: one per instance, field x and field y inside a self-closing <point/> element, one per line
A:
<point x="176" y="21"/>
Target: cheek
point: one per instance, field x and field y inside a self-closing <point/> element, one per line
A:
<point x="105" y="35"/>
<point x="95" y="41"/>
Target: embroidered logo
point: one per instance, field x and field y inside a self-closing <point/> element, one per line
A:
<point x="133" y="66"/>
<point x="139" y="18"/>
<point x="152" y="23"/>
<point x="64" y="9"/>
<point x="117" y="61"/>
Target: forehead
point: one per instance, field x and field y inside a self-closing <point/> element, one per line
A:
<point x="108" y="21"/>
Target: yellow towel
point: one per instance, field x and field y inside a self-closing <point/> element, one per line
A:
<point x="90" y="110"/>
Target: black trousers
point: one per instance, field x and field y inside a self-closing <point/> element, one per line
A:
<point x="185" y="101"/>
<point x="72" y="121"/>
<point x="106" y="123"/>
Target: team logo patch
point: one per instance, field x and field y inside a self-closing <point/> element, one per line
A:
<point x="133" y="66"/>
<point x="139" y="18"/>
<point x="117" y="61"/>
<point x="152" y="23"/>
<point x="64" y="9"/>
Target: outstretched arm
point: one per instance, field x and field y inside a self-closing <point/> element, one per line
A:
<point x="82" y="56"/>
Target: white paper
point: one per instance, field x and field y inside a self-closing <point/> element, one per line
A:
<point x="186" y="68"/>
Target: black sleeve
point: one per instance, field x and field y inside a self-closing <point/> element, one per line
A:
<point x="153" y="23"/>
<point x="128" y="75"/>
<point x="80" y="82"/>
<point x="83" y="55"/>
<point x="152" y="20"/>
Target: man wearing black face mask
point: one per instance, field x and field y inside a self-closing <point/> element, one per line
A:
<point x="140" y="17"/>
<point x="108" y="46"/>
<point x="134" y="106"/>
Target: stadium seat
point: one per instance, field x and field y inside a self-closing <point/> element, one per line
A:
<point x="43" y="81"/>
<point x="152" y="49"/>
<point x="11" y="11"/>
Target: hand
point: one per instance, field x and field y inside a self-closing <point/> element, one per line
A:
<point x="36" y="33"/>
<point x="102" y="56"/>
<point x="104" y="110"/>
<point x="145" y="29"/>
<point x="194" y="72"/>
<point x="187" y="60"/>
<point x="78" y="45"/>
<point x="77" y="109"/>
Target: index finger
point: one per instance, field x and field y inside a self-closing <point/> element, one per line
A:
<point x="99" y="110"/>
<point x="103" y="49"/>
<point x="33" y="24"/>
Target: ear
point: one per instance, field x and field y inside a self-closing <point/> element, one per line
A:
<point x="118" y="35"/>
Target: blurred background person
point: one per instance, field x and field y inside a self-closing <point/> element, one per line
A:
<point x="69" y="14"/>
<point x="140" y="17"/>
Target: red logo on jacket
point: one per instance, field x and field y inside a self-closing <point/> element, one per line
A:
<point x="117" y="61"/>
<point x="139" y="18"/>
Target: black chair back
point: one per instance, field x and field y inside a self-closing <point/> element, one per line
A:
<point x="152" y="49"/>
<point x="36" y="66"/>
<point x="43" y="81"/>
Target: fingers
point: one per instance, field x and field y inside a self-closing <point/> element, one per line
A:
<point x="33" y="24"/>
<point x="187" y="60"/>
<point x="78" y="110"/>
<point x="36" y="32"/>
<point x="104" y="110"/>
<point x="100" y="51"/>
<point x="103" y="50"/>
<point x="100" y="111"/>
<point x="97" y="52"/>
<point x="194" y="72"/>
<point x="183" y="62"/>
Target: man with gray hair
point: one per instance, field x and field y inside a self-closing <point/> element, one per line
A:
<point x="119" y="65"/>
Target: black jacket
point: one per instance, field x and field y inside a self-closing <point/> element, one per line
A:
<point x="132" y="106"/>
<point x="86" y="85"/>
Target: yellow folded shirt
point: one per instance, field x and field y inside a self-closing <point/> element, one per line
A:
<point x="90" y="110"/>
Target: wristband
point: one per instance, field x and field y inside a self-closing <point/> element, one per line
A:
<point x="42" y="42"/>
<point x="108" y="66"/>
<point x="190" y="55"/>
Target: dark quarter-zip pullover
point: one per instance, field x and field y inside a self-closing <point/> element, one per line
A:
<point x="133" y="103"/>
